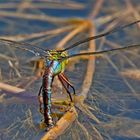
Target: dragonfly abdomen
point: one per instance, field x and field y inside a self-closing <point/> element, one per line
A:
<point x="52" y="70"/>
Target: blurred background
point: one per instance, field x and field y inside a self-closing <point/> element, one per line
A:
<point x="107" y="86"/>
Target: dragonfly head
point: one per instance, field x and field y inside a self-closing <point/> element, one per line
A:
<point x="56" y="55"/>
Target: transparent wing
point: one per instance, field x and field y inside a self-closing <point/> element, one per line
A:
<point x="18" y="69"/>
<point x="24" y="46"/>
<point x="15" y="61"/>
<point x="114" y="95"/>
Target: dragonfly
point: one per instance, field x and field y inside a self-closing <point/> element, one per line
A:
<point x="55" y="64"/>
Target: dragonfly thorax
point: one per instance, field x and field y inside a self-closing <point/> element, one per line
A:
<point x="57" y="57"/>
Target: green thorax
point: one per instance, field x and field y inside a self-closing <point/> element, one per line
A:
<point x="57" y="56"/>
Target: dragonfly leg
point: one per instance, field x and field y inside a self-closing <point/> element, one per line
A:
<point x="63" y="79"/>
<point x="68" y="82"/>
<point x="40" y="100"/>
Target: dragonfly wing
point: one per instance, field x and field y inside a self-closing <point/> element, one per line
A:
<point x="24" y="46"/>
<point x="115" y="92"/>
<point x="19" y="64"/>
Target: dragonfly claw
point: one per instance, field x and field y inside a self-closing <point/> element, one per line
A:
<point x="45" y="126"/>
<point x="49" y="127"/>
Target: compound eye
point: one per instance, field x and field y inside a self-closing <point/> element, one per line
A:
<point x="63" y="54"/>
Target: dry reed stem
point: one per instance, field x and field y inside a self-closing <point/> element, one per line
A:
<point x="32" y="17"/>
<point x="85" y="110"/>
<point x="47" y="5"/>
<point x="10" y="88"/>
<point x="104" y="19"/>
<point x="3" y="56"/>
<point x="61" y="125"/>
<point x="92" y="46"/>
<point x="90" y="68"/>
<point x="97" y="132"/>
<point x="96" y="8"/>
<point x="22" y="6"/>
<point x="22" y="37"/>
<point x="133" y="10"/>
<point x="91" y="63"/>
<point x="131" y="73"/>
<point x="83" y="26"/>
<point x="85" y="130"/>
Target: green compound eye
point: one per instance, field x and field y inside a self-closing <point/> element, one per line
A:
<point x="54" y="55"/>
<point x="64" y="54"/>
